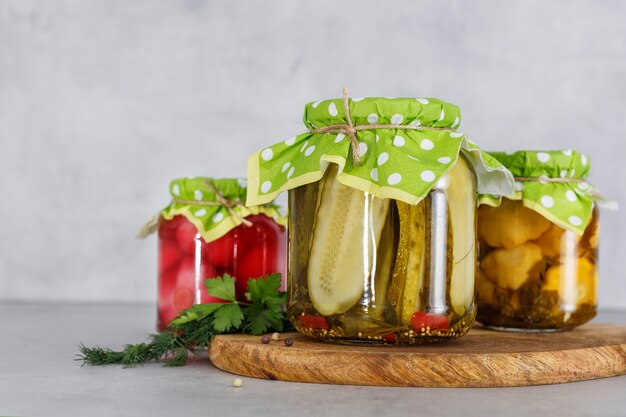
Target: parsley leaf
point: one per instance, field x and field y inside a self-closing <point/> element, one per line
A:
<point x="195" y="313"/>
<point x="267" y="301"/>
<point x="260" y="319"/>
<point x="227" y="317"/>
<point x="264" y="289"/>
<point x="221" y="287"/>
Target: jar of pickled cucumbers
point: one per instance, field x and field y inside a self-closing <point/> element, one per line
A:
<point x="539" y="246"/>
<point x="382" y="240"/>
<point x="206" y="232"/>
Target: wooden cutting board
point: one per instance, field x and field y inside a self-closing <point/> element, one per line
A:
<point x="482" y="358"/>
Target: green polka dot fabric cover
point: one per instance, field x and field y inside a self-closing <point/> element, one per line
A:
<point x="394" y="163"/>
<point x="212" y="221"/>
<point x="567" y="204"/>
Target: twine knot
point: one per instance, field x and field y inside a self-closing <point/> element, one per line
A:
<point x="229" y="204"/>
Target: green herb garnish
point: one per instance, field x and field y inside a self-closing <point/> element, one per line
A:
<point x="194" y="328"/>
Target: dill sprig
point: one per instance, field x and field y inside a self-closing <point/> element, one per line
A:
<point x="194" y="328"/>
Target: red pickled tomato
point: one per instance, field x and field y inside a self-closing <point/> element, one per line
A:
<point x="168" y="228"/>
<point x="273" y="237"/>
<point x="434" y="321"/>
<point x="186" y="237"/>
<point x="178" y="288"/>
<point x="167" y="286"/>
<point x="186" y="282"/>
<point x="169" y="255"/>
<point x="261" y="251"/>
<point x="261" y="232"/>
<point x="257" y="262"/>
<point x="221" y="252"/>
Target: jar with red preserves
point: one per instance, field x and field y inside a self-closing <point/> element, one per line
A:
<point x="207" y="232"/>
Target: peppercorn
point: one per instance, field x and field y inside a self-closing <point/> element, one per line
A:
<point x="265" y="339"/>
<point x="288" y="341"/>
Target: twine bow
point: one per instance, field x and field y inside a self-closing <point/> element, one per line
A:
<point x="350" y="130"/>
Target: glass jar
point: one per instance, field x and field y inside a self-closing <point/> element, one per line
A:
<point x="199" y="238"/>
<point x="539" y="248"/>
<point x="382" y="224"/>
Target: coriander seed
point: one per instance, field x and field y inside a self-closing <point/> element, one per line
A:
<point x="237" y="383"/>
<point x="275" y="336"/>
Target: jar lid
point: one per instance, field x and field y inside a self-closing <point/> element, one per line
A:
<point x="214" y="205"/>
<point x="552" y="183"/>
<point x="394" y="148"/>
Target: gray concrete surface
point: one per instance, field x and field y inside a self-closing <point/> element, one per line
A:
<point x="103" y="101"/>
<point x="40" y="378"/>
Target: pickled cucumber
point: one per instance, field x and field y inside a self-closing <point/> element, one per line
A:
<point x="398" y="278"/>
<point x="415" y="267"/>
<point x="338" y="261"/>
<point x="462" y="209"/>
<point x="386" y="253"/>
<point x="302" y="209"/>
<point x="408" y="274"/>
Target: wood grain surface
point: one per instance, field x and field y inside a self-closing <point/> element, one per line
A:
<point x="482" y="358"/>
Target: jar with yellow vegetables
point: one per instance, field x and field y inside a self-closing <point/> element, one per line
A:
<point x="538" y="251"/>
<point x="382" y="200"/>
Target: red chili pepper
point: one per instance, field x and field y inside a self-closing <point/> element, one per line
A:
<point x="314" y="322"/>
<point x="434" y="321"/>
<point x="390" y="337"/>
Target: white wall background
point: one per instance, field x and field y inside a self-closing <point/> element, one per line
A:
<point x="102" y="102"/>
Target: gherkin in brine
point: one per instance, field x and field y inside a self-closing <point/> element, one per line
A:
<point x="337" y="265"/>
